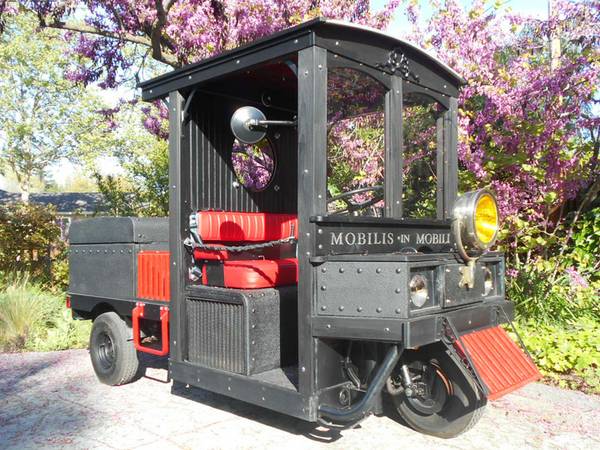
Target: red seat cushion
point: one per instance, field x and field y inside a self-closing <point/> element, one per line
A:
<point x="259" y="273"/>
<point x="220" y="228"/>
<point x="227" y="226"/>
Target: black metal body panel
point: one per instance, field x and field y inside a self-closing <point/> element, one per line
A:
<point x="114" y="230"/>
<point x="247" y="389"/>
<point x="413" y="332"/>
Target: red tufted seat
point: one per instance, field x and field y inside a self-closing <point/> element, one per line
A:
<point x="247" y="270"/>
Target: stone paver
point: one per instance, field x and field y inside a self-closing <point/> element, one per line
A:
<point x="53" y="400"/>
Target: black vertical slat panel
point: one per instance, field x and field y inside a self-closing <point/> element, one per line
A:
<point x="213" y="172"/>
<point x="216" y="335"/>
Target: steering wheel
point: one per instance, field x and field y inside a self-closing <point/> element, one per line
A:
<point x="352" y="207"/>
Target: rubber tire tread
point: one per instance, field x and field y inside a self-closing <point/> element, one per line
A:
<point x="127" y="363"/>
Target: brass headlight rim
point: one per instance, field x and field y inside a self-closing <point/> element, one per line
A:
<point x="464" y="228"/>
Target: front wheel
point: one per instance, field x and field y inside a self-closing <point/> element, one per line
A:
<point x="113" y="354"/>
<point x="442" y="400"/>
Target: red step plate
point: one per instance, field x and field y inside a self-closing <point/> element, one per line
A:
<point x="501" y="363"/>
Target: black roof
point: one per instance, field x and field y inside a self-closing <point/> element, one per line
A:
<point x="302" y="35"/>
<point x="65" y="202"/>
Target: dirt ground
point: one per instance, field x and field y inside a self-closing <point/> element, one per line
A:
<point x="52" y="400"/>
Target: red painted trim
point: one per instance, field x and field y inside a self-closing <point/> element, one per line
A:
<point x="153" y="275"/>
<point x="136" y="315"/>
<point x="229" y="226"/>
<point x="68" y="301"/>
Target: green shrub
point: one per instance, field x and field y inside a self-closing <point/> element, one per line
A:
<point x="30" y="241"/>
<point x="568" y="355"/>
<point x="34" y="318"/>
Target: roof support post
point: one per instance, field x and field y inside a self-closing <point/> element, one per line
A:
<point x="176" y="225"/>
<point x="394" y="149"/>
<point x="312" y="180"/>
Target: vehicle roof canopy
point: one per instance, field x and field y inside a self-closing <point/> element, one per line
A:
<point x="365" y="45"/>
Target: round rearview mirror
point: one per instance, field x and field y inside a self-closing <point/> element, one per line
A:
<point x="244" y="125"/>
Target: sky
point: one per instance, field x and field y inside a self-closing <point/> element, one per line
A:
<point x="61" y="171"/>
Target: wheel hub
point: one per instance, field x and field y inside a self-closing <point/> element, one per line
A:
<point x="106" y="351"/>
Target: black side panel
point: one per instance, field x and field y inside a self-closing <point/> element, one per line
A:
<point x="103" y="270"/>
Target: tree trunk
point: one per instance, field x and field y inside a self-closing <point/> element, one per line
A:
<point x="25" y="190"/>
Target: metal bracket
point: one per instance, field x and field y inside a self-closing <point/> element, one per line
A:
<point x="453" y="337"/>
<point x="512" y="325"/>
<point x="468" y="275"/>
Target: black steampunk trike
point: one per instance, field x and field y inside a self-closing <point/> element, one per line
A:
<point x="317" y="259"/>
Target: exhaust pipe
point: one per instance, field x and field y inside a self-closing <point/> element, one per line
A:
<point x="363" y="407"/>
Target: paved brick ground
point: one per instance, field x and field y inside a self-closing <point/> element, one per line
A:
<point x="52" y="400"/>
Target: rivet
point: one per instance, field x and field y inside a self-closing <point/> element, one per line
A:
<point x="324" y="269"/>
<point x="378" y="310"/>
<point x="448" y="300"/>
<point x="238" y="61"/>
<point x="387" y="330"/>
<point x="342" y="270"/>
<point x="228" y="387"/>
<point x="320" y="246"/>
<point x="397" y="92"/>
<point x="359" y="309"/>
<point x="308" y="234"/>
<point x="295" y="42"/>
<point x="359" y="270"/>
<point x="323" y="308"/>
<point x="448" y="270"/>
<point x="151" y="93"/>
<point x="307" y="253"/>
<point x="378" y="270"/>
<point x="189" y="77"/>
<point x="398" y="290"/>
<point x="319" y="196"/>
<point x="445" y="86"/>
<point x="398" y="270"/>
<point x="398" y="310"/>
<point x="335" y="56"/>
<point x="303" y="369"/>
<point x="320" y="66"/>
<point x="263" y="399"/>
<point x="323" y="288"/>
<point x="306" y="73"/>
<point x="337" y="42"/>
<point x="305" y="170"/>
<point x="253" y="342"/>
<point x="253" y="310"/>
<point x="469" y="322"/>
<point x="328" y="326"/>
<point x="320" y="231"/>
<point x="253" y="326"/>
<point x="341" y="308"/>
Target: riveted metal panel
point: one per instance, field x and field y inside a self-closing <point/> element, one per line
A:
<point x="106" y="270"/>
<point x="362" y="289"/>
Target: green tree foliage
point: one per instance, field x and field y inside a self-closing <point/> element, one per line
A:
<point x="144" y="189"/>
<point x="29" y="239"/>
<point x="43" y="116"/>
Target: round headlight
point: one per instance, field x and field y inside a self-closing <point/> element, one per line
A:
<point x="418" y="290"/>
<point x="475" y="224"/>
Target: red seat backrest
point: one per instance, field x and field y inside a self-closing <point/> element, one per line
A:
<point x="227" y="226"/>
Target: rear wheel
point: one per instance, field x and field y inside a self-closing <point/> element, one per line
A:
<point x="113" y="355"/>
<point x="442" y="399"/>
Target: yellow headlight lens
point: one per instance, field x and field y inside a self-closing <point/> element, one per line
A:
<point x="486" y="219"/>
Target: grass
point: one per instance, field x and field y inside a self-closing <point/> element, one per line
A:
<point x="34" y="318"/>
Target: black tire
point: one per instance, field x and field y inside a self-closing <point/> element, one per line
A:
<point x="113" y="355"/>
<point x="459" y="407"/>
